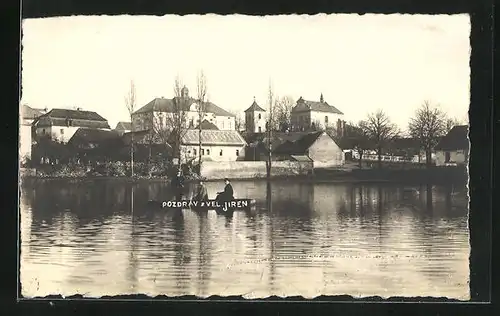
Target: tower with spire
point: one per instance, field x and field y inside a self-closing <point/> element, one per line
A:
<point x="255" y="118"/>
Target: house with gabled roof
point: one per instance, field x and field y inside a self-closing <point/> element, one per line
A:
<point x="453" y="149"/>
<point x="158" y="110"/>
<point x="123" y="127"/>
<point x="27" y="115"/>
<point x="61" y="124"/>
<point x="255" y="118"/>
<point x="316" y="115"/>
<point x="216" y="145"/>
<point x="318" y="147"/>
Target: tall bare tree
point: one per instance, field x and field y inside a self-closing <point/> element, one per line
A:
<point x="379" y="129"/>
<point x="270" y="100"/>
<point x="282" y="112"/>
<point x="202" y="95"/>
<point x="176" y="121"/>
<point x="428" y="125"/>
<point x="130" y="103"/>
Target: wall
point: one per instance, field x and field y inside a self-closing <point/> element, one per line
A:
<point x="326" y="153"/>
<point x="25" y="141"/>
<point x="252" y="169"/>
<point x="458" y="157"/>
<point x="228" y="152"/>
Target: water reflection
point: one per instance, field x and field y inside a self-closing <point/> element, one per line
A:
<point x="99" y="238"/>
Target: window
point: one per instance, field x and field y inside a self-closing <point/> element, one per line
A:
<point x="208" y="151"/>
<point x="191" y="123"/>
<point x="202" y="151"/>
<point x="62" y="131"/>
<point x="326" y="119"/>
<point x="237" y="152"/>
<point x="194" y="152"/>
<point x="260" y="129"/>
<point x="260" y="116"/>
<point x="220" y="154"/>
<point x="43" y="131"/>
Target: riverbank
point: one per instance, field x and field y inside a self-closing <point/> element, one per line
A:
<point x="434" y="175"/>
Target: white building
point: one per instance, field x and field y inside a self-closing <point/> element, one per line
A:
<point x="216" y="145"/>
<point x="160" y="112"/>
<point x="61" y="124"/>
<point x="453" y="149"/>
<point x="316" y="115"/>
<point x="27" y="116"/>
<point x="255" y="119"/>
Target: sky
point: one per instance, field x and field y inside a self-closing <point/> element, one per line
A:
<point x="359" y="63"/>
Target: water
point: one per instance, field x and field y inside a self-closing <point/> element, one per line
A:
<point x="96" y="238"/>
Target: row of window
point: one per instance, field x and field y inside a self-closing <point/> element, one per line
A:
<point x="207" y="152"/>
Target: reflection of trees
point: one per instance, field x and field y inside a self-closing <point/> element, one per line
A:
<point x="204" y="255"/>
<point x="133" y="264"/>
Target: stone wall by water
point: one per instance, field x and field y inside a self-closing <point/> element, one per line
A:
<point x="253" y="169"/>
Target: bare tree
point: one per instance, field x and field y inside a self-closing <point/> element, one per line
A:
<point x="176" y="120"/>
<point x="282" y="113"/>
<point x="428" y="125"/>
<point x="450" y="122"/>
<point x="379" y="129"/>
<point x="202" y="94"/>
<point x="360" y="139"/>
<point x="270" y="96"/>
<point x="130" y="103"/>
<point x="239" y="122"/>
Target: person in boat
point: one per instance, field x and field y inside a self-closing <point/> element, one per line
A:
<point x="201" y="193"/>
<point x="177" y="184"/>
<point x="228" y="193"/>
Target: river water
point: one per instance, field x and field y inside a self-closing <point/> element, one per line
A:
<point x="97" y="237"/>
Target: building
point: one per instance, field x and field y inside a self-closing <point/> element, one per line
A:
<point x="453" y="149"/>
<point x="95" y="144"/>
<point x="317" y="146"/>
<point x="216" y="145"/>
<point x="123" y="127"/>
<point x="27" y="116"/>
<point x="255" y="119"/>
<point x="61" y="124"/>
<point x="161" y="113"/>
<point x="313" y="115"/>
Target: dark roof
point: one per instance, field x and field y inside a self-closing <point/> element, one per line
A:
<point x="213" y="137"/>
<point x="255" y="107"/>
<point x="207" y="125"/>
<point x="139" y="137"/>
<point x="88" y="135"/>
<point x="306" y="105"/>
<point x="124" y="126"/>
<point x="456" y="139"/>
<point x="79" y="118"/>
<point x="30" y="113"/>
<point x="298" y="146"/>
<point x="167" y="105"/>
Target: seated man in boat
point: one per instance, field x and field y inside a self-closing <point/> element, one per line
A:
<point x="227" y="194"/>
<point x="201" y="193"/>
<point x="177" y="185"/>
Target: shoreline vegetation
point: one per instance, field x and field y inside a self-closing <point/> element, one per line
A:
<point x="435" y="175"/>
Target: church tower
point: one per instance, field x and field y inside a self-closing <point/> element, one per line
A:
<point x="255" y="118"/>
